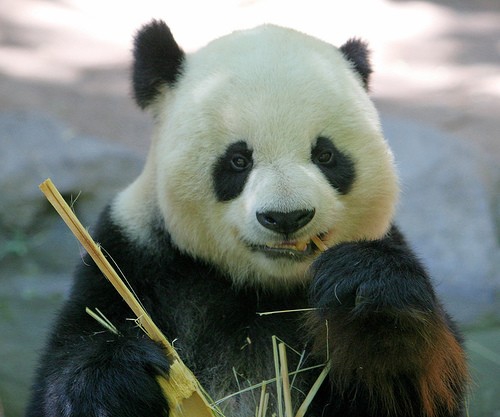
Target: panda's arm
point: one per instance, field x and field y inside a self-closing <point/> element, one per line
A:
<point x="87" y="370"/>
<point x="391" y="345"/>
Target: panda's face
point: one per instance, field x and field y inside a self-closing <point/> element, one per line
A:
<point x="267" y="141"/>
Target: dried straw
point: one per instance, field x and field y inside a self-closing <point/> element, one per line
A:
<point x="264" y="400"/>
<point x="287" y="394"/>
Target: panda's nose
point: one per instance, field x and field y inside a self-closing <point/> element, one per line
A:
<point x="285" y="222"/>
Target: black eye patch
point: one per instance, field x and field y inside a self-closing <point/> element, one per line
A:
<point x="335" y="165"/>
<point x="231" y="171"/>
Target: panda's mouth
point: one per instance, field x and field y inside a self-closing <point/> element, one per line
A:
<point x="293" y="249"/>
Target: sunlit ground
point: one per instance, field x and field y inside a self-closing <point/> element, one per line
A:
<point x="55" y="40"/>
<point x="440" y="62"/>
<point x="60" y="38"/>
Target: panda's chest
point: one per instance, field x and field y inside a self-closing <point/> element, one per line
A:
<point x="218" y="332"/>
<point x="232" y="350"/>
<point x="234" y="367"/>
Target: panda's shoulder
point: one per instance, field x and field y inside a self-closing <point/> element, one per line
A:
<point x="131" y="258"/>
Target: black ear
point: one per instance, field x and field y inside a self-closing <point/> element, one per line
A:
<point x="356" y="51"/>
<point x="157" y="61"/>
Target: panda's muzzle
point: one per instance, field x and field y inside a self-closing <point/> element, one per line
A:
<point x="285" y="224"/>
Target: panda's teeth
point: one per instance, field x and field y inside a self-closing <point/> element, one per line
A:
<point x="301" y="246"/>
<point x="298" y="246"/>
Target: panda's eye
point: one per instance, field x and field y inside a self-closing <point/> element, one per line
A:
<point x="336" y="166"/>
<point x="324" y="153"/>
<point x="231" y="171"/>
<point x="240" y="162"/>
<point x="325" y="158"/>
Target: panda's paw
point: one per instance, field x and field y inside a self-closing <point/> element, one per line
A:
<point x="386" y="336"/>
<point x="117" y="380"/>
<point x="360" y="278"/>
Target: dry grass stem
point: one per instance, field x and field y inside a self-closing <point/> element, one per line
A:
<point x="102" y="320"/>
<point x="312" y="392"/>
<point x="264" y="398"/>
<point x="297" y="310"/>
<point x="279" y="391"/>
<point x="287" y="394"/>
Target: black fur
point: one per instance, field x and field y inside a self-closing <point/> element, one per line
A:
<point x="356" y="51"/>
<point x="339" y="170"/>
<point x="367" y="289"/>
<point x="363" y="273"/>
<point x="158" y="61"/>
<point x="231" y="171"/>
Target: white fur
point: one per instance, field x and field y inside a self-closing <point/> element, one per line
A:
<point x="278" y="90"/>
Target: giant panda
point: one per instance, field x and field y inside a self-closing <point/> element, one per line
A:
<point x="264" y="141"/>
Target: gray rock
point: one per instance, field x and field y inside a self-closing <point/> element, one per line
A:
<point x="34" y="147"/>
<point x="447" y="211"/>
<point x="37" y="251"/>
<point x="33" y="239"/>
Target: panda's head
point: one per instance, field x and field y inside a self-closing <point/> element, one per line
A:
<point x="263" y="139"/>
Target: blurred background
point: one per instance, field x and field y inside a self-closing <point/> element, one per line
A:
<point x="66" y="113"/>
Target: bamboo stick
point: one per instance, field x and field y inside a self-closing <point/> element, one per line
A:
<point x="319" y="243"/>
<point x="181" y="389"/>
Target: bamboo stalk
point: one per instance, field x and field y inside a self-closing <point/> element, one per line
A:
<point x="182" y="390"/>
<point x="319" y="243"/>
